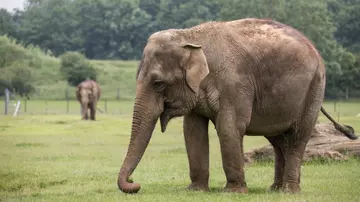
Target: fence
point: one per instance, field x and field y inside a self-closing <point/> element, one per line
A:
<point x="63" y="92"/>
<point x="13" y="106"/>
<point x="71" y="107"/>
<point x="9" y="104"/>
<point x="121" y="107"/>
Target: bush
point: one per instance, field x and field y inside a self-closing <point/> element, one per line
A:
<point x="75" y="68"/>
<point x="16" y="65"/>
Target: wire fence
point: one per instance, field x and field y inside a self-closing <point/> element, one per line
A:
<point x="12" y="106"/>
<point x="48" y="107"/>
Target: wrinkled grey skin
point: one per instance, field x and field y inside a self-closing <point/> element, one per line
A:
<point x="88" y="94"/>
<point x="249" y="76"/>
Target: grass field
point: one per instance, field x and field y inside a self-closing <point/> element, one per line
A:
<point x="60" y="158"/>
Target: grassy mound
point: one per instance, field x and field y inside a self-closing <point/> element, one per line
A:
<point x="42" y="72"/>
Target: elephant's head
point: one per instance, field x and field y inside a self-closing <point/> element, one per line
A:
<point x="168" y="81"/>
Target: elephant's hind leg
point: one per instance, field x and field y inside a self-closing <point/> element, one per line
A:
<point x="297" y="137"/>
<point x="197" y="147"/>
<point x="278" y="144"/>
<point x="295" y="145"/>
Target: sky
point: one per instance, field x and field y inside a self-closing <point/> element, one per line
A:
<point x="11" y="4"/>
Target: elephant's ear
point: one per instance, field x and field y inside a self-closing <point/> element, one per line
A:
<point x="196" y="66"/>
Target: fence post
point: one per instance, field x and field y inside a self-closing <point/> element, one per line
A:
<point x="17" y="108"/>
<point x="106" y="106"/>
<point x="335" y="106"/>
<point x="347" y="93"/>
<point x="6" y="100"/>
<point x="118" y="94"/>
<point x="67" y="100"/>
<point x="46" y="107"/>
<point x="25" y="107"/>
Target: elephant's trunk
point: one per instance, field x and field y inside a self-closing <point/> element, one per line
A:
<point x="143" y="124"/>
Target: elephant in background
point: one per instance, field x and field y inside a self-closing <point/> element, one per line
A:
<point x="254" y="77"/>
<point x="88" y="94"/>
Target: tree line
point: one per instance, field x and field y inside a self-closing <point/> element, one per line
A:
<point x="118" y="29"/>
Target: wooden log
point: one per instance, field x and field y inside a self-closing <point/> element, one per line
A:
<point x="325" y="142"/>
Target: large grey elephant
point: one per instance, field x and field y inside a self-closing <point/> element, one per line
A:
<point x="88" y="94"/>
<point x="249" y="76"/>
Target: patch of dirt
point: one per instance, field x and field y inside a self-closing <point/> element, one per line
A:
<point x="325" y="143"/>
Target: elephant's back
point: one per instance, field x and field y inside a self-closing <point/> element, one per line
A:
<point x="266" y="36"/>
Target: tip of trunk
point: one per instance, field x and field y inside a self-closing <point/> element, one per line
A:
<point x="128" y="187"/>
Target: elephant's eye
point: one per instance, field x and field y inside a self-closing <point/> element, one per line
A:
<point x="159" y="85"/>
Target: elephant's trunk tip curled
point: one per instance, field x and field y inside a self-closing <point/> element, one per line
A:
<point x="127" y="186"/>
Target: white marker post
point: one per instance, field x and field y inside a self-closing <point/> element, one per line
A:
<point x="17" y="108"/>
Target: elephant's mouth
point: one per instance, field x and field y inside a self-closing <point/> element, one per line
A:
<point x="164" y="120"/>
<point x="170" y="111"/>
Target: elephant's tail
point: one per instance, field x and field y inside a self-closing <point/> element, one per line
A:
<point x="348" y="131"/>
<point x="99" y="110"/>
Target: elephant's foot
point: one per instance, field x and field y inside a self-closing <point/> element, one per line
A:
<point x="291" y="188"/>
<point x="276" y="187"/>
<point x="238" y="188"/>
<point x="198" y="187"/>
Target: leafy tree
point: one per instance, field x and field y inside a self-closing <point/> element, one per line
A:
<point x="346" y="14"/>
<point x="75" y="68"/>
<point x="113" y="28"/>
<point x="51" y="24"/>
<point x="7" y="25"/>
<point x="16" y="67"/>
<point x="186" y="13"/>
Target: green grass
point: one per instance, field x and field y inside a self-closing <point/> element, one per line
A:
<point x="60" y="158"/>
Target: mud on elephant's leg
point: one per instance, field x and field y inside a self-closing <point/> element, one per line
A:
<point x="278" y="144"/>
<point x="294" y="152"/>
<point x="197" y="147"/>
<point x="231" y="142"/>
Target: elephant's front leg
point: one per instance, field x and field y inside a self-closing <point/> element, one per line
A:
<point x="231" y="133"/>
<point x="197" y="147"/>
<point x="84" y="111"/>
<point x="92" y="111"/>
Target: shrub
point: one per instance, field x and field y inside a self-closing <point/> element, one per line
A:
<point x="75" y="68"/>
<point x="16" y="64"/>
